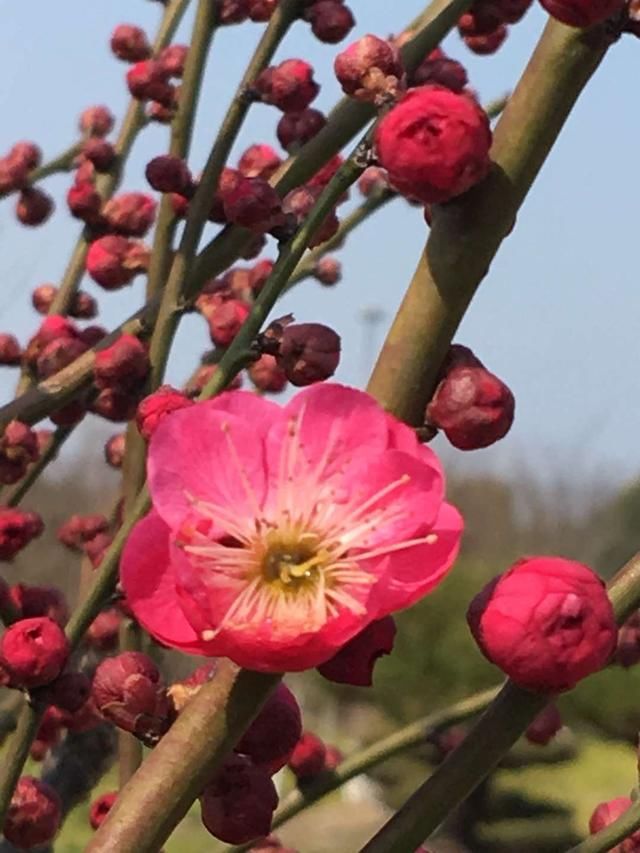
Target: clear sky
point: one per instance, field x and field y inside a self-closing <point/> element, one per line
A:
<point x="558" y="315"/>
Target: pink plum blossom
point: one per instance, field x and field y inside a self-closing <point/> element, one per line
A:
<point x="278" y="534"/>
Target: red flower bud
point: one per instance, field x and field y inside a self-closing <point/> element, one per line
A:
<point x="471" y="405"/>
<point x="128" y="691"/>
<point x="229" y="179"/>
<point x="10" y="352"/>
<point x="162" y="113"/>
<point x="434" y="144"/>
<point x="481" y="20"/>
<point x="355" y="661"/>
<point x="96" y="121"/>
<point x="272" y="736"/>
<point x="91" y="335"/>
<point x="299" y="203"/>
<point x="330" y="20"/>
<point x="289" y="86"/>
<point x="308" y="758"/>
<point x="148" y="81"/>
<point x="34" y="814"/>
<point x="296" y="128"/>
<point x="254" y="204"/>
<point x="259" y="161"/>
<point x="238" y="805"/>
<point x="69" y="415"/>
<point x="224" y="316"/>
<point x="328" y="271"/>
<point x="103" y="632"/>
<point x="606" y="813"/>
<point x="13" y="174"/>
<point x="259" y="273"/>
<point x="547" y="623"/>
<point x="233" y="11"/>
<point x="545" y="726"/>
<point x="172" y="59"/>
<point x="486" y="44"/>
<point x="125" y="363"/>
<point x="309" y="352"/>
<point x="115" y="404"/>
<point x="33" y="206"/>
<point x="202" y="376"/>
<point x="27" y="154"/>
<point x="261" y="10"/>
<point x="69" y="691"/>
<point x="32" y="601"/>
<point x="100" y="808"/>
<point x="154" y="408"/>
<point x="17" y="529"/>
<point x="18" y="448"/>
<point x="43" y="296"/>
<point x="130" y="43"/>
<point x="58" y="354"/>
<point x="326" y="173"/>
<point x="114" y="261"/>
<point x="267" y="376"/>
<point x="84" y="202"/>
<point x="100" y="153"/>
<point x="78" y="529"/>
<point x="169" y="174"/>
<point x="33" y="651"/>
<point x="114" y="450"/>
<point x="130" y="214"/>
<point x="439" y="69"/>
<point x="369" y="69"/>
<point x="583" y="13"/>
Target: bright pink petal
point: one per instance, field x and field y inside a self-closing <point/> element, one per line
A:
<point x="205" y="454"/>
<point x="148" y="579"/>
<point x="258" y="411"/>
<point x="413" y="572"/>
<point x="393" y="497"/>
<point x="333" y="424"/>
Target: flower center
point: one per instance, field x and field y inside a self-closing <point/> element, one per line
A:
<point x="291" y="562"/>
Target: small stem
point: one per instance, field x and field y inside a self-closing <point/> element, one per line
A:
<point x="106" y="185"/>
<point x="48" y="455"/>
<point x="16" y="754"/>
<point x="130" y="750"/>
<point x="174" y="774"/>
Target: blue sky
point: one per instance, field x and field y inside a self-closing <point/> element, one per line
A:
<point x="557" y="317"/>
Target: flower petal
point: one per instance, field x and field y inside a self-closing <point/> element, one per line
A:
<point x="148" y="579"/>
<point x="204" y="453"/>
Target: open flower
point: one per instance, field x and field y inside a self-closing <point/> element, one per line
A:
<point x="278" y="534"/>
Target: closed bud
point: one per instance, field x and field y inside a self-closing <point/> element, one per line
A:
<point x="583" y="13"/>
<point x="18" y="449"/>
<point x="172" y="59"/>
<point x="289" y="86"/>
<point x="58" y="354"/>
<point x="115" y="404"/>
<point x="330" y="20"/>
<point x="607" y="813"/>
<point x="472" y="406"/>
<point x="148" y="81"/>
<point x="439" y="69"/>
<point x="31" y="601"/>
<point x="328" y="271"/>
<point x="125" y="364"/>
<point x="78" y="529"/>
<point x="233" y="12"/>
<point x="114" y="450"/>
<point x="42" y="297"/>
<point x="113" y="261"/>
<point x="370" y="70"/>
<point x="90" y="335"/>
<point x="628" y="648"/>
<point x="267" y="375"/>
<point x="33" y="651"/>
<point x="27" y="154"/>
<point x="17" y="529"/>
<point x="254" y="204"/>
<point x="547" y="623"/>
<point x="274" y="733"/>
<point x="225" y="317"/>
<point x="203" y="376"/>
<point x="154" y="408"/>
<point x="261" y="10"/>
<point x="100" y="153"/>
<point x="309" y="352"/>
<point x="296" y="128"/>
<point x="102" y="634"/>
<point x="34" y="206"/>
<point x="259" y="161"/>
<point x="96" y="121"/>
<point x="300" y="202"/>
<point x="130" y="43"/>
<point x="14" y="174"/>
<point x="354" y="663"/>
<point x="128" y="691"/>
<point x="34" y="814"/>
<point x="130" y="214"/>
<point x="545" y="726"/>
<point x="10" y="351"/>
<point x="100" y="808"/>
<point x="307" y="761"/>
<point x="238" y="805"/>
<point x="69" y="691"/>
<point x="169" y="174"/>
<point x="486" y="44"/>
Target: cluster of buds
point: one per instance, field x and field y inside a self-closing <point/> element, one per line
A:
<point x="17" y="528"/>
<point x="472" y="406"/>
<point x="31" y="601"/>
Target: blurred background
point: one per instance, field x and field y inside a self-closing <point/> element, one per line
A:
<point x="556" y="319"/>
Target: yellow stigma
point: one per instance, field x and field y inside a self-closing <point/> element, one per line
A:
<point x="292" y="561"/>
